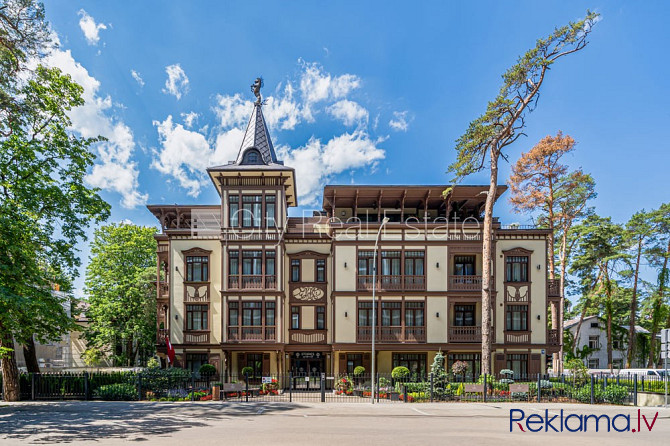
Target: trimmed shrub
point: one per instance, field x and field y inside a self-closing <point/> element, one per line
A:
<point x="400" y="372"/>
<point x="207" y="370"/>
<point x="247" y="371"/>
<point x="614" y="394"/>
<point x="358" y="371"/>
<point x="117" y="392"/>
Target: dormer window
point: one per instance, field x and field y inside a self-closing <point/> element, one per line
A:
<point x="252" y="156"/>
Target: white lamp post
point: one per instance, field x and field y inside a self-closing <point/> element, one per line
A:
<point x="374" y="331"/>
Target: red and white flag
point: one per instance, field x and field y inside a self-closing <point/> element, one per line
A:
<point x="170" y="349"/>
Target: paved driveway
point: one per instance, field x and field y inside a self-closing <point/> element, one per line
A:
<point x="214" y="423"/>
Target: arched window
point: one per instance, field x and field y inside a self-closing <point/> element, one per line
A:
<point x="252" y="156"/>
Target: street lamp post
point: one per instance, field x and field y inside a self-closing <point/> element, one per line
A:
<point x="374" y="331"/>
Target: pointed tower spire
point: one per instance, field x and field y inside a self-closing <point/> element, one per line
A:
<point x="258" y="137"/>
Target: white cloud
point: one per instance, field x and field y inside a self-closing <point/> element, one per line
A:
<point x="137" y="77"/>
<point x="349" y="112"/>
<point x="177" y="81"/>
<point x="189" y="119"/>
<point x="232" y="111"/>
<point x="114" y="169"/>
<point x="400" y="121"/>
<point x="316" y="163"/>
<point x="90" y="29"/>
<point x="316" y="86"/>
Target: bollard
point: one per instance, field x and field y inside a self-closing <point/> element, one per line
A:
<point x="593" y="383"/>
<point x="431" y="387"/>
<point x="404" y="392"/>
<point x="323" y="387"/>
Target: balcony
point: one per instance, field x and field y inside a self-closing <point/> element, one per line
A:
<point x="251" y="334"/>
<point x="196" y="337"/>
<point x="393" y="334"/>
<point x="161" y="335"/>
<point x="255" y="282"/>
<point x="465" y="283"/>
<point x="552" y="337"/>
<point x="307" y="336"/>
<point x="553" y="288"/>
<point x="517" y="337"/>
<point x="163" y="289"/>
<point x="392" y="283"/>
<point x="465" y="334"/>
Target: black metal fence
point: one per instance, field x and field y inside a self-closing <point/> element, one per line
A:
<point x="182" y="385"/>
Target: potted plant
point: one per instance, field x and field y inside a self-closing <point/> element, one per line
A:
<point x="247" y="372"/>
<point x="216" y="391"/>
<point x="400" y="374"/>
<point x="206" y="371"/>
<point x="358" y="378"/>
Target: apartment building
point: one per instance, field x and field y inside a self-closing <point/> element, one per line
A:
<point x="242" y="284"/>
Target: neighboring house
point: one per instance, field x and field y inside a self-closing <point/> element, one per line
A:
<point x="593" y="333"/>
<point x="243" y="284"/>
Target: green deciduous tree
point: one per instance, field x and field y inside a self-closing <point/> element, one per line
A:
<point x="121" y="293"/>
<point x="45" y="205"/>
<point x="501" y="125"/>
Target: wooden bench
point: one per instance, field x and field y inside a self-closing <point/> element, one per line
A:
<point x="238" y="388"/>
<point x="519" y="388"/>
<point x="473" y="388"/>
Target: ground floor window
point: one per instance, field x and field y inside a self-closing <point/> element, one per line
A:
<point x="415" y="362"/>
<point x="594" y="363"/>
<point x="473" y="360"/>
<point x="518" y="363"/>
<point x="354" y="360"/>
<point x="195" y="360"/>
<point x="255" y="361"/>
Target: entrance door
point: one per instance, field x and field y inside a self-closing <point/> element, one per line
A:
<point x="307" y="373"/>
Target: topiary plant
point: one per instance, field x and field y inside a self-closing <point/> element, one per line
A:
<point x="400" y="372"/>
<point x="207" y="370"/>
<point x="247" y="371"/>
<point x="358" y="371"/>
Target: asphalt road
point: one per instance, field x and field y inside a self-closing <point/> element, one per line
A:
<point x="215" y="423"/>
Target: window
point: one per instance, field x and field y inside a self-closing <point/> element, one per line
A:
<point x="270" y="258"/>
<point x="321" y="270"/>
<point x="472" y="359"/>
<point x="353" y="360"/>
<point x="233" y="314"/>
<point x="464" y="315"/>
<point x="365" y="263"/>
<point x="416" y="363"/>
<point x="518" y="363"/>
<point x="251" y="211"/>
<point x="295" y="318"/>
<point x="252" y="314"/>
<point x="594" y="342"/>
<point x="320" y="318"/>
<point x="270" y="314"/>
<point x="594" y="325"/>
<point x="234" y="211"/>
<point x="516" y="269"/>
<point x="295" y="270"/>
<point x="233" y="268"/>
<point x="196" y="317"/>
<point x="517" y="318"/>
<point x="390" y="263"/>
<point x="391" y="313"/>
<point x="270" y="211"/>
<point x="197" y="268"/>
<point x="594" y="363"/>
<point x="414" y="262"/>
<point x="617" y="363"/>
<point x="255" y="361"/>
<point x="252" y="263"/>
<point x="464" y="265"/>
<point x="616" y="344"/>
<point x="195" y="360"/>
<point x="414" y="314"/>
<point x="364" y="314"/>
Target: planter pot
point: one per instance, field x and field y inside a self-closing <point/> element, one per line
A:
<point x="216" y="393"/>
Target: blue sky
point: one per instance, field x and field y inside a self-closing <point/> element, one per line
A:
<point x="359" y="92"/>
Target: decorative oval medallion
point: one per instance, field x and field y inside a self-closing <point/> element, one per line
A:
<point x="308" y="293"/>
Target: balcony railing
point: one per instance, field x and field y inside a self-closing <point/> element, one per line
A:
<point x="465" y="283"/>
<point x="307" y="336"/>
<point x="552" y="337"/>
<point x="393" y="334"/>
<point x="255" y="282"/>
<point x="392" y="282"/>
<point x="196" y="337"/>
<point x="163" y="289"/>
<point x="517" y="337"/>
<point x="161" y="335"/>
<point x="251" y="334"/>
<point x="554" y="287"/>
<point x="465" y="334"/>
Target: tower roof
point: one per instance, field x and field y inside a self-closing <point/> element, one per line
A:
<point x="258" y="137"/>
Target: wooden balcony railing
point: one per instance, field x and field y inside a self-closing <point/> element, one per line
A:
<point x="161" y="334"/>
<point x="465" y="283"/>
<point x="163" y="289"/>
<point x="393" y="334"/>
<point x="517" y="337"/>
<point x="251" y="334"/>
<point x="196" y="337"/>
<point x="465" y="334"/>
<point x="255" y="282"/>
<point x="552" y="337"/>
<point x="307" y="336"/>
<point x="392" y="283"/>
<point x="554" y="287"/>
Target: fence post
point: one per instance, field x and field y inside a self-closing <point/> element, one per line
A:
<point x="376" y="386"/>
<point x="539" y="387"/>
<point x="593" y="384"/>
<point x="86" y="386"/>
<point x="634" y="390"/>
<point x="32" y="386"/>
<point x="485" y="387"/>
<point x="192" y="386"/>
<point x="642" y="382"/>
<point x="246" y="389"/>
<point x="617" y="379"/>
<point x="323" y="387"/>
<point x="605" y="383"/>
<point x="290" y="387"/>
<point x="139" y="387"/>
<point x="431" y="387"/>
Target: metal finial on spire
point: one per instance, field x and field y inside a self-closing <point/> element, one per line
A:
<point x="256" y="88"/>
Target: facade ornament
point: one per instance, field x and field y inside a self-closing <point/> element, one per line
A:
<point x="256" y="88"/>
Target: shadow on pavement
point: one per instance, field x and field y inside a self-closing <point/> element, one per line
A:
<point x="64" y="422"/>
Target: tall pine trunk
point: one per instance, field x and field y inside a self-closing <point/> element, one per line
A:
<point x="658" y="305"/>
<point x="10" y="371"/>
<point x="30" y="355"/>
<point x="487" y="260"/>
<point x="633" y="309"/>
